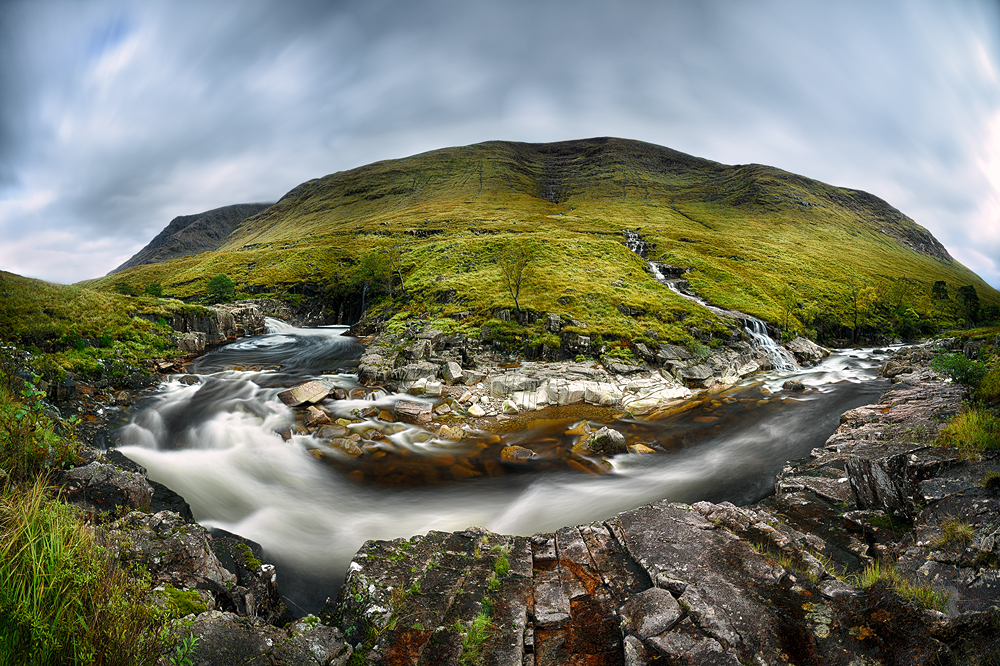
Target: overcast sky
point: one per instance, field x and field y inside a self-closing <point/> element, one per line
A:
<point x="115" y="117"/>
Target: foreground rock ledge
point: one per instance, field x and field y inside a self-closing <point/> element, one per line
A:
<point x="713" y="583"/>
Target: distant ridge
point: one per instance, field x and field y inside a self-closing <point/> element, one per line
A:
<point x="193" y="234"/>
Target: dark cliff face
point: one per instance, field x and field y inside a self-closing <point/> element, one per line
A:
<point x="193" y="234"/>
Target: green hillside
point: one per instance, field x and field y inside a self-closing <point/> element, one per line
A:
<point x="808" y="256"/>
<point x="85" y="331"/>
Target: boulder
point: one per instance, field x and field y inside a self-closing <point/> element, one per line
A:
<point x="308" y="392"/>
<point x="191" y="343"/>
<point x="171" y="550"/>
<point x="227" y="638"/>
<point x="806" y="352"/>
<point x="103" y="487"/>
<point x="432" y="336"/>
<point x="698" y="376"/>
<point x="793" y="385"/>
<point x="413" y="371"/>
<point x="506" y="384"/>
<point x="451" y="372"/>
<point x="607" y="441"/>
<point x="413" y="412"/>
<point x="516" y="454"/>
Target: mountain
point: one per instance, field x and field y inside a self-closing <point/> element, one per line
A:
<point x="754" y="238"/>
<point x="193" y="234"/>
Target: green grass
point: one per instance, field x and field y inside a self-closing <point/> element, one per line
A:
<point x="973" y="431"/>
<point x="85" y="331"/>
<point x="63" y="599"/>
<point x="955" y="533"/>
<point x="745" y="230"/>
<point x="474" y="637"/>
<point x="877" y="573"/>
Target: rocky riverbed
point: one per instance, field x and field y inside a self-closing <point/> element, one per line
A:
<point x="775" y="582"/>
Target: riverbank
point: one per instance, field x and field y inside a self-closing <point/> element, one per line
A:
<point x="813" y="574"/>
<point x="536" y="572"/>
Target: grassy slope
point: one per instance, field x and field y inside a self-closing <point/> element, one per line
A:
<point x="77" y="327"/>
<point x="748" y="231"/>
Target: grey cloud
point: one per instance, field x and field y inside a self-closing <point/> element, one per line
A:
<point x="233" y="102"/>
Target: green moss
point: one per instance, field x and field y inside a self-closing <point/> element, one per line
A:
<point x="183" y="602"/>
<point x="245" y="557"/>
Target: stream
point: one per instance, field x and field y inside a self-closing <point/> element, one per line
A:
<point x="213" y="437"/>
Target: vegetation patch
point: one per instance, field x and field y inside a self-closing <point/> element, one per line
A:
<point x="63" y="598"/>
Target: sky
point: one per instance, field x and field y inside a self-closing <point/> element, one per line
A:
<point x="116" y="117"/>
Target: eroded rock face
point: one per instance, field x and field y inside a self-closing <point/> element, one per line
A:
<point x="172" y="550"/>
<point x="227" y="638"/>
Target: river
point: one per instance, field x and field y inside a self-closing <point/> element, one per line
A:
<point x="212" y="437"/>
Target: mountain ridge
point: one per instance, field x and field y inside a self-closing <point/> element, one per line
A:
<point x="192" y="234"/>
<point x="751" y="238"/>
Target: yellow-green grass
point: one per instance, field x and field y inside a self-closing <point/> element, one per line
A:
<point x="746" y="231"/>
<point x="63" y="598"/>
<point x="973" y="431"/>
<point x="75" y="327"/>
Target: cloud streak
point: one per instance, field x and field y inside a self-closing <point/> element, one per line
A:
<point x="116" y="117"/>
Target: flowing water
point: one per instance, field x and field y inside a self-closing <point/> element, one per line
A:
<point x="213" y="437"/>
<point x="756" y="329"/>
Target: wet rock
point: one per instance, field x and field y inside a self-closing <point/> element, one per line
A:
<point x="191" y="343"/>
<point x="887" y="475"/>
<point x="607" y="441"/>
<point x="414" y="371"/>
<point x="793" y="385"/>
<point x="516" y="454"/>
<point x="316" y="416"/>
<point x="309" y="392"/>
<point x="806" y="352"/>
<point x="104" y="487"/>
<point x="172" y="550"/>
<point x="227" y="638"/>
<point x="698" y="376"/>
<point x="413" y="412"/>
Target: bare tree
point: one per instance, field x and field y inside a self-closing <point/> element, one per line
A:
<point x="394" y="255"/>
<point x="515" y="264"/>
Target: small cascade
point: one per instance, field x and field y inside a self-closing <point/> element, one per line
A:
<point x="635" y="243"/>
<point x="756" y="329"/>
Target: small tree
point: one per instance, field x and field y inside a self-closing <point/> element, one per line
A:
<point x="969" y="299"/>
<point x="515" y="265"/>
<point x="788" y="298"/>
<point x="394" y="256"/>
<point x="155" y="289"/>
<point x="124" y="288"/>
<point x="221" y="289"/>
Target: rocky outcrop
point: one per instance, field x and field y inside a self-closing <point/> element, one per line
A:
<point x="228" y="638"/>
<point x="226" y="321"/>
<point x="774" y="583"/>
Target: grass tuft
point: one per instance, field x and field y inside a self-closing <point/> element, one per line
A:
<point x="63" y="598"/>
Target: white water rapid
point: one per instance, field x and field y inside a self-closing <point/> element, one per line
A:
<point x="212" y="438"/>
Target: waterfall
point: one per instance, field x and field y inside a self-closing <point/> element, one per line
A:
<point x="756" y="329"/>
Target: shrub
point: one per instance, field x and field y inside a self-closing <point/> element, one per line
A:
<point x="155" y="289"/>
<point x="959" y="369"/>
